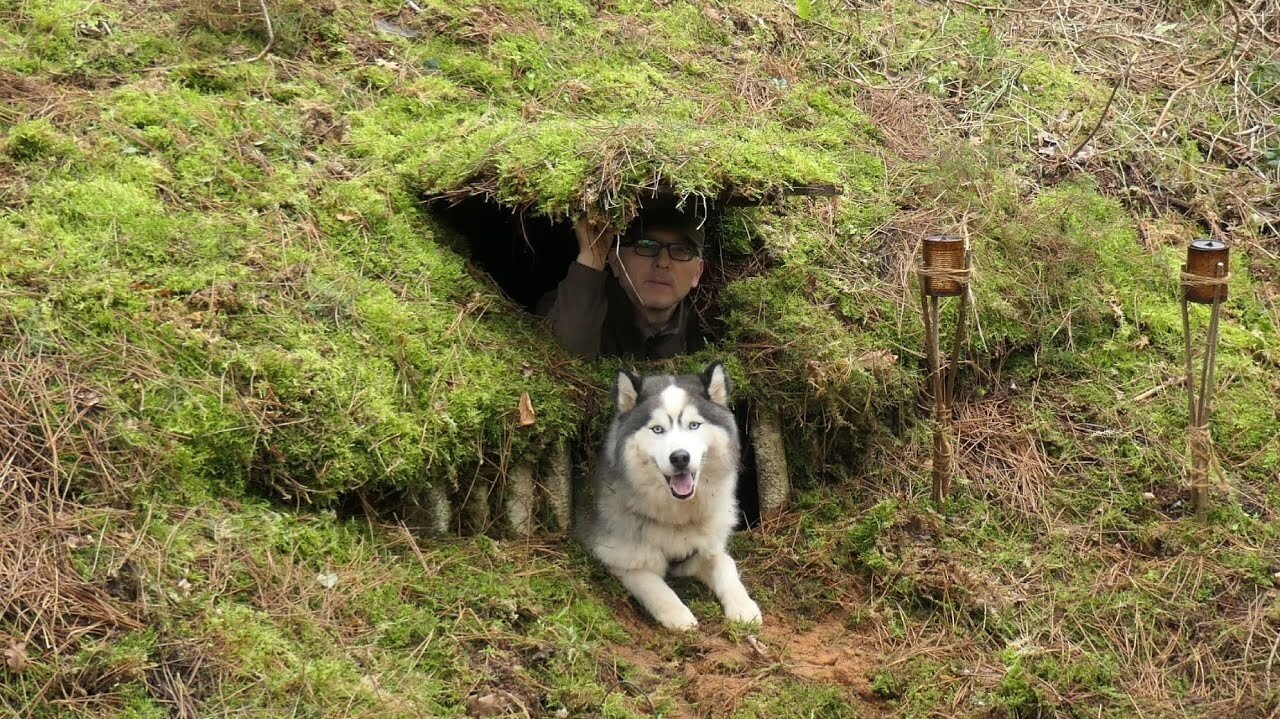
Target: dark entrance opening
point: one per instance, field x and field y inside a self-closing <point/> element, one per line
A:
<point x="748" y="482"/>
<point x="526" y="255"/>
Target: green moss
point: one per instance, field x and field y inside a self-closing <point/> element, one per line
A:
<point x="691" y="160"/>
<point x="405" y="630"/>
<point x="794" y="699"/>
<point x="37" y="140"/>
<point x="1049" y="89"/>
<point x="1019" y="696"/>
<point x="913" y="685"/>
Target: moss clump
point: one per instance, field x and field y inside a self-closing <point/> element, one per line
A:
<point x="1018" y="695"/>
<point x="311" y="369"/>
<point x="1047" y="276"/>
<point x="37" y="140"/>
<point x="795" y="699"/>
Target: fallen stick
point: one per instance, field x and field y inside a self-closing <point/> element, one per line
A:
<point x="1174" y="382"/>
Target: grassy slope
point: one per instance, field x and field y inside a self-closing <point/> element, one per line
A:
<point x="227" y="273"/>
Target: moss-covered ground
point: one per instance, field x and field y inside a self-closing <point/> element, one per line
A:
<point x="233" y="336"/>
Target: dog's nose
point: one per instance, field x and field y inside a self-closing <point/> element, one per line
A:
<point x="679" y="459"/>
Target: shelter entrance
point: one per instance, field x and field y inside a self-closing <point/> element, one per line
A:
<point x="527" y="256"/>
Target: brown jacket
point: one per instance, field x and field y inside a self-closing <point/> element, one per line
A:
<point x="592" y="316"/>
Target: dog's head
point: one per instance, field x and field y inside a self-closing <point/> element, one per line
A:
<point x="672" y="429"/>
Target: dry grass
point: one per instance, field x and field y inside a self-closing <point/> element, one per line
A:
<point x="24" y="98"/>
<point x="55" y="437"/>
<point x="999" y="455"/>
<point x="1199" y="73"/>
<point x="906" y="119"/>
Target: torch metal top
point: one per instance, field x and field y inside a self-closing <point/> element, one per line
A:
<point x="1207" y="245"/>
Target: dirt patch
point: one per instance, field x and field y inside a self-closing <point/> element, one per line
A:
<point x="721" y="673"/>
<point x="717" y="695"/>
<point x="833" y="654"/>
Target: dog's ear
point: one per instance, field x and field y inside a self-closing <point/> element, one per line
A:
<point x="717" y="383"/>
<point x="626" y="390"/>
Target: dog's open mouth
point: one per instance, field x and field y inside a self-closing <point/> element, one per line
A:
<point x="682" y="485"/>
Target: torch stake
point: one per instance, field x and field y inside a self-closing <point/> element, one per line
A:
<point x="1211" y="348"/>
<point x="937" y="281"/>
<point x="942" y="454"/>
<point x="1208" y="285"/>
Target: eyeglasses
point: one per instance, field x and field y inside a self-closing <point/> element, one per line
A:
<point x="678" y="251"/>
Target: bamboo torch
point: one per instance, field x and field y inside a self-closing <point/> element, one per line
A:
<point x="1204" y="282"/>
<point x="945" y="273"/>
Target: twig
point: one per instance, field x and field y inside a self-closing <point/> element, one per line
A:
<point x="1176" y="381"/>
<point x="759" y="647"/>
<point x="1124" y="80"/>
<point x="619" y="681"/>
<point x="271" y="37"/>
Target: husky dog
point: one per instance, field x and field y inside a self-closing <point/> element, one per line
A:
<point x="664" y="493"/>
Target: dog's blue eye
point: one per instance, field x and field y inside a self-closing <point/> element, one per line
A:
<point x="694" y="425"/>
<point x="657" y="429"/>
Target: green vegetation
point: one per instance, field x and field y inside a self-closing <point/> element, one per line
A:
<point x="236" y="344"/>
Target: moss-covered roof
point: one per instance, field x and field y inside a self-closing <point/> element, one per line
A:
<point x="559" y="115"/>
<point x="560" y="167"/>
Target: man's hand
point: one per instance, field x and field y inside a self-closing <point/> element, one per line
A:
<point x="594" y="241"/>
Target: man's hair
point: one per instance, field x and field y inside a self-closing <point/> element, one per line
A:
<point x="674" y="220"/>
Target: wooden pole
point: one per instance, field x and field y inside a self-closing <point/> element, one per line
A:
<point x="941" y="409"/>
<point x="962" y="317"/>
<point x="1200" y="439"/>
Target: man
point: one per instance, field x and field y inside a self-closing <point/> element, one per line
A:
<point x="628" y="297"/>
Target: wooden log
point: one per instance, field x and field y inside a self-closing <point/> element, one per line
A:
<point x="521" y="499"/>
<point x="557" y="480"/>
<point x="773" y="482"/>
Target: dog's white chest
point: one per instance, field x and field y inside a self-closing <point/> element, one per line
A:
<point x="676" y="544"/>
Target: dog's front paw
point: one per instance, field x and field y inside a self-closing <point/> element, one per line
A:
<point x="743" y="610"/>
<point x="677" y="618"/>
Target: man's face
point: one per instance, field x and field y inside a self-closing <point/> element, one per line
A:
<point x="659" y="282"/>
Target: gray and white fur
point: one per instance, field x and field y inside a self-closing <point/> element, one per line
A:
<point x="664" y="489"/>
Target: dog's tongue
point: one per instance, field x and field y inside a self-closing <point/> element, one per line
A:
<point x="682" y="484"/>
